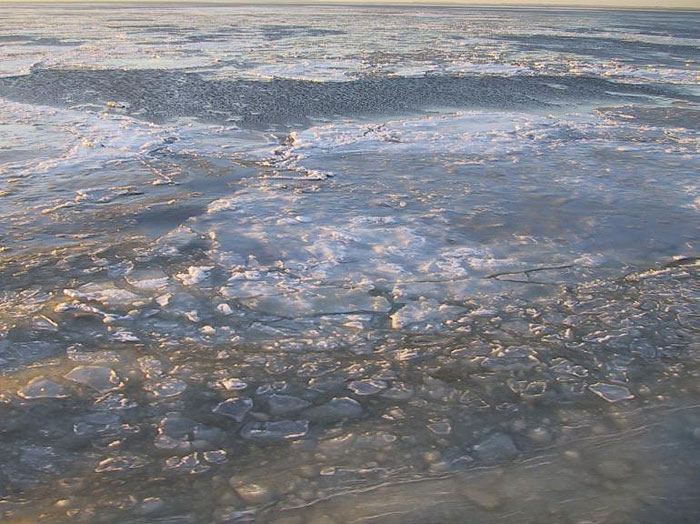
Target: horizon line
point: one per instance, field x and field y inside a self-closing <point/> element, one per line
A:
<point x="523" y="4"/>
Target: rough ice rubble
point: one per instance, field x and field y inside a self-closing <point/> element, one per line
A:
<point x="195" y="275"/>
<point x="106" y="293"/>
<point x="310" y="261"/>
<point x="362" y="251"/>
<point x="265" y="48"/>
<point x="380" y="447"/>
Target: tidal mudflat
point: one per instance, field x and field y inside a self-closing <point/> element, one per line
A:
<point x="349" y="265"/>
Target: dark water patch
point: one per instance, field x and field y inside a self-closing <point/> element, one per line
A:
<point x="673" y="116"/>
<point x="676" y="26"/>
<point x="609" y="48"/>
<point x="279" y="32"/>
<point x="29" y="40"/>
<point x="161" y="95"/>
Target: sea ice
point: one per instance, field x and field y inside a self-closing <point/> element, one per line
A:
<point x="494" y="448"/>
<point x="367" y="387"/>
<point x="511" y="359"/>
<point x="235" y="408"/>
<point x="335" y="409"/>
<point x="97" y="377"/>
<point x="319" y="301"/>
<point x="166" y="388"/>
<point x="611" y="392"/>
<point x="121" y="463"/>
<point x="148" y="280"/>
<point x="254" y="494"/>
<point x="424" y="312"/>
<point x="195" y="275"/>
<point x="283" y="404"/>
<point x="105" y="293"/>
<point x="278" y="430"/>
<point x="41" y="387"/>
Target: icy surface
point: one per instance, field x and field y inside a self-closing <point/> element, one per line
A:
<point x="343" y="264"/>
<point x="97" y="377"/>
<point x="342" y="45"/>
<point x="39" y="388"/>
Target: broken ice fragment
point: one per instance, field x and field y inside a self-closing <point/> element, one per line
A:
<point x="254" y="494"/>
<point x="124" y="336"/>
<point x="374" y="440"/>
<point x="41" y="387"/>
<point x="280" y="430"/>
<point x="233" y="384"/>
<point x="422" y="312"/>
<point x="178" y="240"/>
<point x="207" y="330"/>
<point x="44" y="323"/>
<point x="336" y="409"/>
<point x="101" y="195"/>
<point x="215" y="457"/>
<point x="148" y="280"/>
<point x="563" y="367"/>
<point x="322" y="301"/>
<point x="407" y="354"/>
<point x="281" y="404"/>
<point x="105" y="293"/>
<point x="224" y="309"/>
<point x="121" y="463"/>
<point x="611" y="392"/>
<point x="367" y="387"/>
<point x="188" y="464"/>
<point x="166" y="388"/>
<point x="497" y="447"/>
<point x="441" y="428"/>
<point x="97" y="377"/>
<point x="151" y="367"/>
<point x="235" y="408"/>
<point x="195" y="275"/>
<point x="512" y="359"/>
<point x="164" y="300"/>
<point x="399" y="391"/>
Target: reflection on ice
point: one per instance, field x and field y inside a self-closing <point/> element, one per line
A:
<point x="468" y="292"/>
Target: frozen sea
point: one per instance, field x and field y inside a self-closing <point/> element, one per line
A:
<point x="349" y="265"/>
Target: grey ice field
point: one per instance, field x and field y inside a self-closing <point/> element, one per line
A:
<point x="304" y="265"/>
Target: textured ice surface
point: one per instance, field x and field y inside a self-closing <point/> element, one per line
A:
<point x="97" y="377"/>
<point x="611" y="392"/>
<point x="235" y="408"/>
<point x="40" y="387"/>
<point x="342" y="45"/>
<point x="334" y="264"/>
<point x="278" y="430"/>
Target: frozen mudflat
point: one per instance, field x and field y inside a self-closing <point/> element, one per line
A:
<point x="349" y="265"/>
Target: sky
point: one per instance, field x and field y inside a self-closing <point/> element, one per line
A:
<point x="687" y="4"/>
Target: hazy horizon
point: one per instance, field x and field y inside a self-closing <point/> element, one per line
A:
<point x="653" y="4"/>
